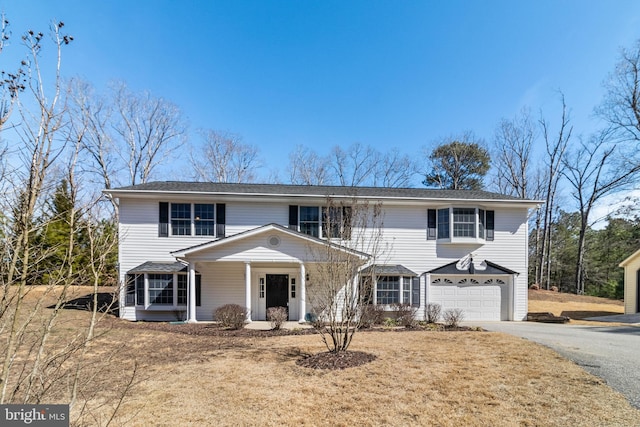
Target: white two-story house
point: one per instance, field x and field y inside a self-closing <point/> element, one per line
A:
<point x="187" y="248"/>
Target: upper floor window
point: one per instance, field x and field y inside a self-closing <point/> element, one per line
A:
<point x="310" y="220"/>
<point x="180" y="219"/>
<point x="204" y="219"/>
<point x="332" y="222"/>
<point x="191" y="219"/>
<point x="460" y="223"/>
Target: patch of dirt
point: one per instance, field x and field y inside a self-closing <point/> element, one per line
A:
<point x="339" y="360"/>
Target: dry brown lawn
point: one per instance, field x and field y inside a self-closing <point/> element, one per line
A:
<point x="576" y="307"/>
<point x="418" y="378"/>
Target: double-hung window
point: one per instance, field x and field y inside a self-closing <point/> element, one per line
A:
<point x="191" y="219"/>
<point x="180" y="219"/>
<point x="388" y="290"/>
<point x="204" y="219"/>
<point x="391" y="290"/>
<point x="464" y="222"/>
<point x="310" y="220"/>
<point x="161" y="289"/>
<point x="333" y="222"/>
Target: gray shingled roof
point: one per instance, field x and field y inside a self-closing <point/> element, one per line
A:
<point x="159" y="267"/>
<point x="308" y="190"/>
<point x="388" y="270"/>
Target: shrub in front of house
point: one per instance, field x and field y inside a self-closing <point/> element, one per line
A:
<point x="452" y="317"/>
<point x="405" y="314"/>
<point x="232" y="316"/>
<point x="433" y="312"/>
<point x="277" y="316"/>
<point x="371" y="315"/>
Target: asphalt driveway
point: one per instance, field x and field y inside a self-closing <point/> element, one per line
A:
<point x="609" y="352"/>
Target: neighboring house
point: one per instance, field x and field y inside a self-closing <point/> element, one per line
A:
<point x="631" y="267"/>
<point x="187" y="248"/>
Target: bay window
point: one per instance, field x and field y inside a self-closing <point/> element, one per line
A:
<point x="461" y="224"/>
<point x="163" y="289"/>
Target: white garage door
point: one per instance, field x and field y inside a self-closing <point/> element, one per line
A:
<point x="480" y="298"/>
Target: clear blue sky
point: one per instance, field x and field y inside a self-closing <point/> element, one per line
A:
<point x="321" y="73"/>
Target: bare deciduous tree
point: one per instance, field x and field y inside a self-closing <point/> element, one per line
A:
<point x="125" y="136"/>
<point x="594" y="171"/>
<point x="151" y="129"/>
<point x="37" y="356"/>
<point x="621" y="105"/>
<point x="306" y="167"/>
<point x="354" y="166"/>
<point x="555" y="154"/>
<point x="223" y="157"/>
<point x="394" y="170"/>
<point x="355" y="228"/>
<point x="512" y="157"/>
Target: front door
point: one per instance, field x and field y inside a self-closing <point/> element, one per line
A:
<point x="278" y="291"/>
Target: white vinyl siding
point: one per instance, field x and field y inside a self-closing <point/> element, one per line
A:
<point x="223" y="282"/>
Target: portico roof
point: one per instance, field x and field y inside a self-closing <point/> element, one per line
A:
<point x="273" y="231"/>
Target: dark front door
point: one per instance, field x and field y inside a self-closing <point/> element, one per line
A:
<point x="278" y="291"/>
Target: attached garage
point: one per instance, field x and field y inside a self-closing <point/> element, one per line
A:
<point x="482" y="292"/>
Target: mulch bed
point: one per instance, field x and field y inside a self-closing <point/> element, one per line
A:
<point x="338" y="360"/>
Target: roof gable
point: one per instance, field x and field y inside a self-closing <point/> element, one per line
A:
<point x="300" y="239"/>
<point x="463" y="266"/>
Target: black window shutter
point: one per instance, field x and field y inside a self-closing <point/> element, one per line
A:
<point x="415" y="291"/>
<point x="163" y="222"/>
<point x="293" y="217"/>
<point x="431" y="224"/>
<point x="490" y="225"/>
<point x="221" y="219"/>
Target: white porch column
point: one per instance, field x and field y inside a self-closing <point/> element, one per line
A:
<point x="514" y="299"/>
<point x="192" y="293"/>
<point x="303" y="293"/>
<point x="247" y="286"/>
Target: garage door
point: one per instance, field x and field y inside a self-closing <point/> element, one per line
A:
<point x="479" y="298"/>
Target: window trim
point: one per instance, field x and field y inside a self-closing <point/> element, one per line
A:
<point x="342" y="225"/>
<point x="408" y="291"/>
<point x="167" y="217"/>
<point x="143" y="289"/>
<point x="483" y="229"/>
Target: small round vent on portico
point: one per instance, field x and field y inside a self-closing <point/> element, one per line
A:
<point x="274" y="241"/>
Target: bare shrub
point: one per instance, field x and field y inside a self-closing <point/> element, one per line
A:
<point x="371" y="315"/>
<point x="554" y="289"/>
<point x="534" y="287"/>
<point x="277" y="316"/>
<point x="433" y="312"/>
<point x="405" y="314"/>
<point x="452" y="317"/>
<point x="232" y="316"/>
